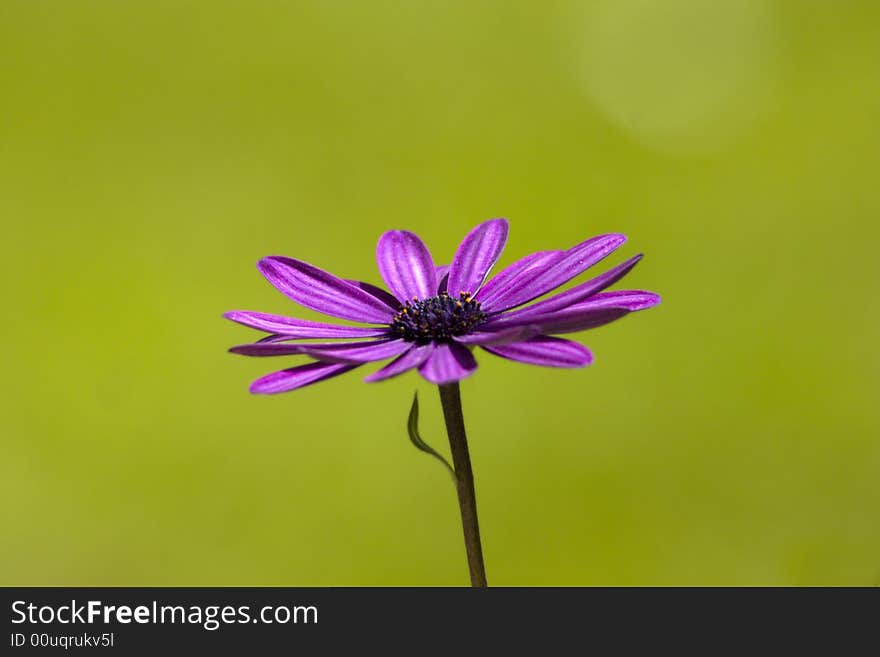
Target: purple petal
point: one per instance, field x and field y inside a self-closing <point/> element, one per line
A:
<point x="364" y="352"/>
<point x="335" y="352"/>
<point x="442" y="272"/>
<point x="600" y="309"/>
<point x="377" y="292"/>
<point x="448" y="362"/>
<point x="574" y="295"/>
<point x="297" y="377"/>
<point x="267" y="348"/>
<point x="512" y="276"/>
<point x="632" y="300"/>
<point x="476" y="256"/>
<point x="403" y="363"/>
<point x="319" y="290"/>
<point x="541" y="280"/>
<point x="589" y="319"/>
<point x="504" y="336"/>
<point x="546" y="351"/>
<point x="300" y="328"/>
<point x="406" y="265"/>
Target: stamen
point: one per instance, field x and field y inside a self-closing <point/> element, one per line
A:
<point x="437" y="318"/>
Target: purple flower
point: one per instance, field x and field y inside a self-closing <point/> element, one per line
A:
<point x="435" y="315"/>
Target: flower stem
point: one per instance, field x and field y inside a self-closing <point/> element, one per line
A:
<point x="450" y="398"/>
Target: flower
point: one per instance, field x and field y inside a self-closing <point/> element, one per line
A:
<point x="435" y="315"/>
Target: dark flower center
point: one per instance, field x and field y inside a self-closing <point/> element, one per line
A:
<point x="437" y="318"/>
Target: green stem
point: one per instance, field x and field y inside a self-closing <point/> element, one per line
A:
<point x="450" y="398"/>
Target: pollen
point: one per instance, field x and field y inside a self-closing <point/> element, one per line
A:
<point x="437" y="318"/>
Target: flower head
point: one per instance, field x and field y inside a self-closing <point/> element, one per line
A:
<point x="436" y="315"/>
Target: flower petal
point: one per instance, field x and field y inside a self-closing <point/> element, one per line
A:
<point x="334" y="352"/>
<point x="512" y="276"/>
<point x="504" y="336"/>
<point x="546" y="351"/>
<point x="448" y="362"/>
<point x="541" y="280"/>
<point x="598" y="310"/>
<point x="442" y="272"/>
<point x="267" y="348"/>
<point x="403" y="363"/>
<point x="300" y="328"/>
<point x="319" y="290"/>
<point x="377" y="292"/>
<point x="298" y="377"/>
<point x="632" y="300"/>
<point x="575" y="295"/>
<point x="406" y="265"/>
<point x="476" y="256"/>
<point x="361" y="352"/>
<point x="589" y="319"/>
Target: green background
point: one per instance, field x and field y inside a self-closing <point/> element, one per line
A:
<point x="150" y="153"/>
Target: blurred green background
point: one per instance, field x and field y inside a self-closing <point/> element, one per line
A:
<point x="150" y="153"/>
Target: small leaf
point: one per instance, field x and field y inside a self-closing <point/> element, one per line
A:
<point x="412" y="426"/>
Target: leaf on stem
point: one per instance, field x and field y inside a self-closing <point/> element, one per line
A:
<point x="412" y="426"/>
